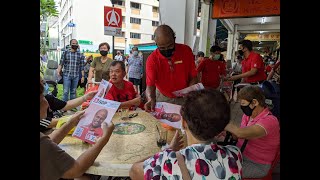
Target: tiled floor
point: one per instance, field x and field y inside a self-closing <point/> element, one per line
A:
<point x="236" y="115"/>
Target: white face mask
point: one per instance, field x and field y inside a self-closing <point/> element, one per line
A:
<point x="135" y="53"/>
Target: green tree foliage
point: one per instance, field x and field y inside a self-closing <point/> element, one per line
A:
<point x="48" y="8"/>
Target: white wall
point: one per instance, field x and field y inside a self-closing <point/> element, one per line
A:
<point x="89" y="20"/>
<point x="148" y="2"/>
<point x="146" y="26"/>
<point x="172" y="13"/>
<point x="88" y="17"/>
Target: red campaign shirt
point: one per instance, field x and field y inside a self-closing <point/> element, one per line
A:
<point x="90" y="135"/>
<point x="158" y="71"/>
<point x="222" y="68"/>
<point x="122" y="95"/>
<point x="210" y="73"/>
<point x="254" y="60"/>
<point x="268" y="68"/>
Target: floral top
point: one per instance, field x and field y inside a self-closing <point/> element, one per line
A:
<point x="204" y="161"/>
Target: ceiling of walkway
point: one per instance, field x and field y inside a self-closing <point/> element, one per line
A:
<point x="254" y="25"/>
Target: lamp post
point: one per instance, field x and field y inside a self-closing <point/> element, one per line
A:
<point x="113" y="2"/>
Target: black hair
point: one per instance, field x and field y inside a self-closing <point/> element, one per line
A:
<point x="200" y="54"/>
<point x="135" y="47"/>
<point x="215" y="48"/>
<point x="206" y="112"/>
<point x="72" y="40"/>
<point x="247" y="44"/>
<point x="104" y="44"/>
<point x="123" y="66"/>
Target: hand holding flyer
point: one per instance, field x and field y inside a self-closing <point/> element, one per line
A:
<point x="100" y="110"/>
<point x="168" y="113"/>
<point x="185" y="91"/>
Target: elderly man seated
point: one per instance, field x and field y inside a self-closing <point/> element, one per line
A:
<point x="122" y="90"/>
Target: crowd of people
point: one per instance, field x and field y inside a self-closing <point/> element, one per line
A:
<point x="171" y="67"/>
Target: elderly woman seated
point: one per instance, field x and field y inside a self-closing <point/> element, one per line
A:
<point x="201" y="159"/>
<point x="261" y="130"/>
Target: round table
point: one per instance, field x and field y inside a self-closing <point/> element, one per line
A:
<point x="118" y="155"/>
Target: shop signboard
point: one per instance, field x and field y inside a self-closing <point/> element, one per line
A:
<point x="245" y="8"/>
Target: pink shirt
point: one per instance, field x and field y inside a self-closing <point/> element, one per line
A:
<point x="262" y="150"/>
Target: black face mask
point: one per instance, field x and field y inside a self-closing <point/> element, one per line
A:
<point x="240" y="52"/>
<point x="247" y="110"/>
<point x="75" y="47"/>
<point x="103" y="53"/>
<point x="167" y="53"/>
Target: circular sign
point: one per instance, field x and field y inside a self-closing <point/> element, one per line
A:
<point x="128" y="128"/>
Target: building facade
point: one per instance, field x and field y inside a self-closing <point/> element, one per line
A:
<point x="83" y="20"/>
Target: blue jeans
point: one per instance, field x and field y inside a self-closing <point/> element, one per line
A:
<point x="70" y="85"/>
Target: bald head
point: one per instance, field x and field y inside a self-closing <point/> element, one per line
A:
<point x="99" y="117"/>
<point x="164" y="37"/>
<point x="164" y="31"/>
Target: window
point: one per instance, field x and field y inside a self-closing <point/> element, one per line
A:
<point x="199" y="8"/>
<point x="135" y="20"/>
<point x="155" y="23"/>
<point x="123" y="19"/>
<point x="120" y="3"/>
<point x="135" y="35"/>
<point x="123" y="34"/>
<point x="135" y="5"/>
<point x="152" y="37"/>
<point x="155" y="9"/>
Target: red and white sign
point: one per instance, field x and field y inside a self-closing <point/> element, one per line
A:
<point x="112" y="21"/>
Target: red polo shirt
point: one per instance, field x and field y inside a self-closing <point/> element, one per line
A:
<point x="254" y="60"/>
<point x="122" y="95"/>
<point x="222" y="68"/>
<point x="211" y="72"/>
<point x="158" y="71"/>
<point x="90" y="134"/>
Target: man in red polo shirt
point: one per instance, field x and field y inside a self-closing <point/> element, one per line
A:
<point x="252" y="65"/>
<point x="169" y="68"/>
<point x="212" y="69"/>
<point x="121" y="90"/>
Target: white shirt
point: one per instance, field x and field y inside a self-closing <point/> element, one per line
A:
<point x="118" y="58"/>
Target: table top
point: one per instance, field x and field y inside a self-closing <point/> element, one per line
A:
<point x="122" y="150"/>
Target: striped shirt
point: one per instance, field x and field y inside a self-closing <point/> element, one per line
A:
<point x="72" y="63"/>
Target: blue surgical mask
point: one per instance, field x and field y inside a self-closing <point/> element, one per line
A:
<point x="135" y="53"/>
<point x="46" y="89"/>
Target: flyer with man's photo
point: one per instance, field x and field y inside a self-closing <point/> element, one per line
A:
<point x="185" y="91"/>
<point x="103" y="89"/>
<point x="100" y="110"/>
<point x="168" y="113"/>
